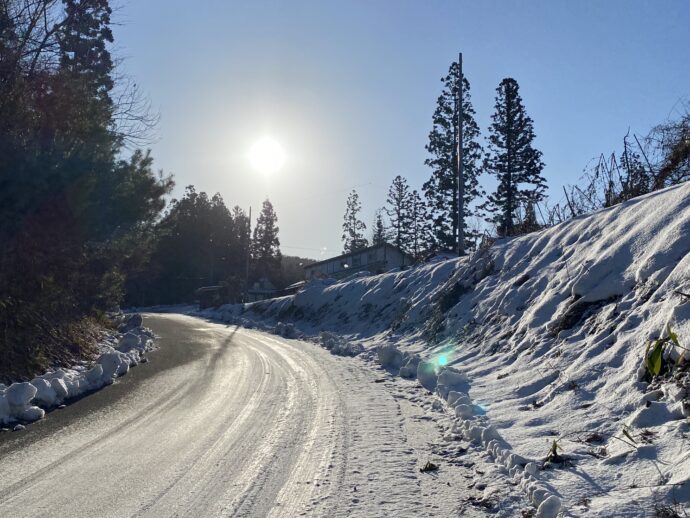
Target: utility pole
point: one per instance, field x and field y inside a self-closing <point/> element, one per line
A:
<point x="460" y="179"/>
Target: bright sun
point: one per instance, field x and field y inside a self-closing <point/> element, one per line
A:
<point x="266" y="155"/>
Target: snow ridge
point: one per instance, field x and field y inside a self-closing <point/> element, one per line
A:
<point x="550" y="330"/>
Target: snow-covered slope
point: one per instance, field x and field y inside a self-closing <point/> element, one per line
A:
<point x="551" y="330"/>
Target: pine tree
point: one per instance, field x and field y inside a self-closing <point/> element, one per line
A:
<point x="440" y="190"/>
<point x="240" y="238"/>
<point x="84" y="37"/>
<point x="418" y="230"/>
<point x="265" y="244"/>
<point x="379" y="232"/>
<point x="398" y="211"/>
<point x="516" y="164"/>
<point x="353" y="227"/>
<point x="86" y="68"/>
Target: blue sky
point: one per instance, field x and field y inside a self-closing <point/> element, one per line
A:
<point x="348" y="89"/>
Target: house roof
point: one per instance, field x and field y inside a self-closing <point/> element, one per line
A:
<point x="357" y="252"/>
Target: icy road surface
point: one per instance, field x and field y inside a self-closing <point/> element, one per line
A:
<point x="231" y="422"/>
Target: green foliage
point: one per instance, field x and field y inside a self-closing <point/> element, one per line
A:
<point x="653" y="360"/>
<point x="266" y="245"/>
<point x="419" y="232"/>
<point x="353" y="227"/>
<point x="398" y="210"/>
<point x="553" y="456"/>
<point x="380" y="234"/>
<point x="75" y="217"/>
<point x="514" y="161"/>
<point x="409" y="229"/>
<point x="441" y="190"/>
<point x="654" y="353"/>
<point x="199" y="242"/>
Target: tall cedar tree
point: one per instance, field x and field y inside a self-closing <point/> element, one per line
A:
<point x="516" y="164"/>
<point x="266" y="245"/>
<point x="353" y="227"/>
<point x="440" y="191"/>
<point x="398" y="210"/>
<point x="418" y="230"/>
<point x="379" y="232"/>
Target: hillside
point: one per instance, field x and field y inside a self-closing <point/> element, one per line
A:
<point x="550" y="330"/>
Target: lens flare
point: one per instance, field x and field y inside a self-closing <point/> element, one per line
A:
<point x="442" y="360"/>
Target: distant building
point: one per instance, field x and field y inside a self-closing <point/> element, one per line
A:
<point x="261" y="290"/>
<point x="375" y="259"/>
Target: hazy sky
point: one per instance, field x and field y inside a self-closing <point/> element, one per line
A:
<point x="349" y="87"/>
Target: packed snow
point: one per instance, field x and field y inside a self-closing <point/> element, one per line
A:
<point x="539" y="348"/>
<point x="25" y="402"/>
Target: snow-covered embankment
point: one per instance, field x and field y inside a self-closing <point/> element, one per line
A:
<point x="548" y="333"/>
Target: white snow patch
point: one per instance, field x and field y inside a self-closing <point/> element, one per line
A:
<point x="550" y="330"/>
<point x="27" y="401"/>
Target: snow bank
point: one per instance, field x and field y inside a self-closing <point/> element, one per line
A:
<point x="27" y="401"/>
<point x="390" y="357"/>
<point x="548" y="332"/>
<point x="338" y="346"/>
<point x="285" y="330"/>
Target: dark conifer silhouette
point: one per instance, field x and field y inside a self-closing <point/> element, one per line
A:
<point x="440" y="191"/>
<point x="514" y="161"/>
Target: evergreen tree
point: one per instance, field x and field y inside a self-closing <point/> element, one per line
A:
<point x="379" y="232"/>
<point x="84" y="36"/>
<point x="83" y="216"/>
<point x="516" y="164"/>
<point x="441" y="190"/>
<point x="265" y="244"/>
<point x="398" y="210"/>
<point x="418" y="230"/>
<point x="353" y="227"/>
<point x="241" y="239"/>
<point x="85" y="74"/>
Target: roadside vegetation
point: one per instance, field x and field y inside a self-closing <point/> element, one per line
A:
<point x="78" y="200"/>
<point x="82" y="227"/>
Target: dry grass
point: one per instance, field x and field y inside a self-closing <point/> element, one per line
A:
<point x="29" y="349"/>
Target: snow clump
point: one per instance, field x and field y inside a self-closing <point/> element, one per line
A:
<point x="27" y="401"/>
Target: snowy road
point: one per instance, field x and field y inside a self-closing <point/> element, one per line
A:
<point x="231" y="422"/>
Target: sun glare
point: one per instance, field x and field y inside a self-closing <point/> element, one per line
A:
<point x="267" y="155"/>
